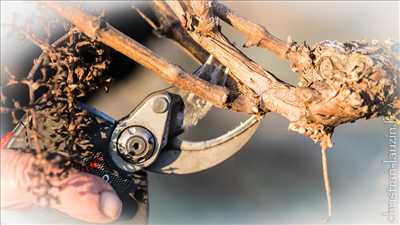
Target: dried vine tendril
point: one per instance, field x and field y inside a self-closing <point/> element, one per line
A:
<point x="63" y="75"/>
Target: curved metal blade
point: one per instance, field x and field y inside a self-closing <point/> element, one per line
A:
<point x="195" y="107"/>
<point x="190" y="157"/>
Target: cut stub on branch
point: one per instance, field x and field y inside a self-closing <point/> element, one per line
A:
<point x="349" y="81"/>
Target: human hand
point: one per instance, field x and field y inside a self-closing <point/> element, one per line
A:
<point x="81" y="195"/>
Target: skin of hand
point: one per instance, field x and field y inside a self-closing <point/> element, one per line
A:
<point x="81" y="195"/>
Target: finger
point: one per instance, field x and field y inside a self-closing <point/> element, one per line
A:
<point x="14" y="180"/>
<point x="81" y="195"/>
<point x="89" y="198"/>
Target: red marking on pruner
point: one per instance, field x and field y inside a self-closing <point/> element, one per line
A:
<point x="93" y="165"/>
<point x="5" y="139"/>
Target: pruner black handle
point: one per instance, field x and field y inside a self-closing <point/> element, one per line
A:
<point x="132" y="188"/>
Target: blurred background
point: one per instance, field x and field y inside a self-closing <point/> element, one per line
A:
<point x="276" y="177"/>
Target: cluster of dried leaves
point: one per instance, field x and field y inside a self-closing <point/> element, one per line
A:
<point x="62" y="76"/>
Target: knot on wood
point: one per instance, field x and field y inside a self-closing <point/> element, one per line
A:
<point x="351" y="80"/>
<point x="204" y="27"/>
<point x="317" y="132"/>
<point x="98" y="25"/>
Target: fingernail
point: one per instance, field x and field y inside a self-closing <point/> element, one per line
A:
<point x="111" y="205"/>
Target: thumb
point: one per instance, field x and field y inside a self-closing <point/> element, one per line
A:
<point x="89" y="198"/>
<point x="81" y="195"/>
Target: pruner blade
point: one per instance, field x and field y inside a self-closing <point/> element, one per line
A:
<point x="197" y="108"/>
<point x="185" y="157"/>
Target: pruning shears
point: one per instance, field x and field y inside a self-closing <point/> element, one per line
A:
<point x="147" y="140"/>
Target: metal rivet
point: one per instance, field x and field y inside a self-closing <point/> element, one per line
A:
<point x="160" y="105"/>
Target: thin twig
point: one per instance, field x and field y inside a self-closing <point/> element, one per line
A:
<point x="43" y="45"/>
<point x="39" y="60"/>
<point x="172" y="30"/>
<point x="146" y="18"/>
<point x="327" y="185"/>
<point x="256" y="34"/>
<point x="171" y="27"/>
